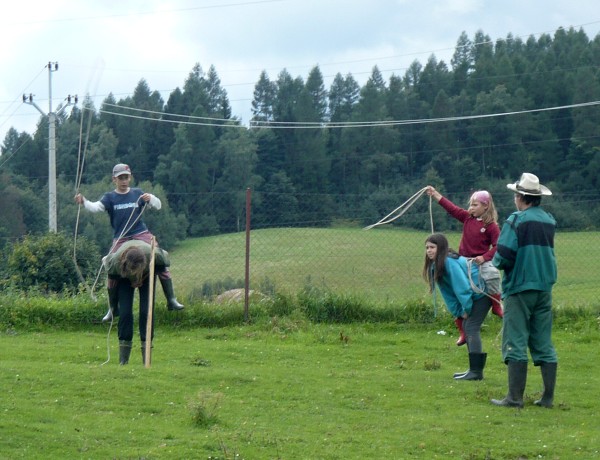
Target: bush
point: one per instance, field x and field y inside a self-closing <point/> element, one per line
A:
<point x="45" y="263"/>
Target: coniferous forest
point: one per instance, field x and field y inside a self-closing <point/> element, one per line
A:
<point x="316" y="156"/>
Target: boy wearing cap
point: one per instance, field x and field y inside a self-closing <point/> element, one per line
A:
<point x="526" y="254"/>
<point x="124" y="206"/>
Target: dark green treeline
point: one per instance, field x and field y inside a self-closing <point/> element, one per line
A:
<point x="304" y="169"/>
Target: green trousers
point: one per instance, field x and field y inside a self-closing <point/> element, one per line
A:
<point x="528" y="325"/>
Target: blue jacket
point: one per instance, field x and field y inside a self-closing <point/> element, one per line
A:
<point x="456" y="288"/>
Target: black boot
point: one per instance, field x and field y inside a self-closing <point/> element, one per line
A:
<point x="549" y="379"/>
<point x="476" y="366"/>
<point x="113" y="302"/>
<point x="517" y="379"/>
<point x="124" y="351"/>
<point x="460" y="374"/>
<point x="172" y="303"/>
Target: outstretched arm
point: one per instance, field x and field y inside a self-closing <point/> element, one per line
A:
<point x="437" y="196"/>
<point x="455" y="211"/>
<point x="95" y="206"/>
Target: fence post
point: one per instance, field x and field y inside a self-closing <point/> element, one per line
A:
<point x="247" y="271"/>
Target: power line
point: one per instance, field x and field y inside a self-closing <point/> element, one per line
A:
<point x="321" y="125"/>
<point x="362" y="124"/>
<point x="228" y="123"/>
<point x="18" y="99"/>
<point x="164" y="113"/>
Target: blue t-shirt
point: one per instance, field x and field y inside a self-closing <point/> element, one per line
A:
<point x="124" y="210"/>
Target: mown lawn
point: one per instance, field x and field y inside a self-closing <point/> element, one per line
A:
<point x="289" y="389"/>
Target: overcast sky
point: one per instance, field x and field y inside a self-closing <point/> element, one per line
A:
<point x="108" y="46"/>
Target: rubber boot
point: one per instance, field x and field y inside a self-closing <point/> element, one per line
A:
<point x="460" y="374"/>
<point x="144" y="352"/>
<point x="124" y="351"/>
<point x="549" y="379"/>
<point x="113" y="302"/>
<point x="497" y="305"/>
<point x="172" y="303"/>
<point x="517" y="379"/>
<point x="476" y="366"/>
<point x="462" y="338"/>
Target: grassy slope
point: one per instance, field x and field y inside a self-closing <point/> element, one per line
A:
<point x="380" y="264"/>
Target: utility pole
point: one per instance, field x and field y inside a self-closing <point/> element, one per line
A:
<point x="52" y="67"/>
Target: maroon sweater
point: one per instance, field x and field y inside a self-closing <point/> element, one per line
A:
<point x="478" y="239"/>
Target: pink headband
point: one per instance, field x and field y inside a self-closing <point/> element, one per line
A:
<point x="483" y="196"/>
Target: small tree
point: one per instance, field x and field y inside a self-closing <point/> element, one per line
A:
<point x="46" y="262"/>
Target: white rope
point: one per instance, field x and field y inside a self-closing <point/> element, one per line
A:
<point x="93" y="288"/>
<point x="478" y="290"/>
<point x="80" y="163"/>
<point x="126" y="228"/>
<point x="400" y="210"/>
<point x="112" y="319"/>
<point x="431" y="214"/>
<point x="79" y="174"/>
<point x="475" y="287"/>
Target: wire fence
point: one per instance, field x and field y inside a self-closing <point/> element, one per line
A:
<point x="295" y="247"/>
<point x="380" y="265"/>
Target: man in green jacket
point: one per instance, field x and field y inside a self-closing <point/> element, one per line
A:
<point x="526" y="254"/>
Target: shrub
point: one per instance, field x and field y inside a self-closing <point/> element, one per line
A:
<point x="46" y="263"/>
<point x="204" y="408"/>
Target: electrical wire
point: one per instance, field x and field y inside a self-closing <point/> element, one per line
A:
<point x="105" y="104"/>
<point x="360" y="124"/>
<point x="19" y="98"/>
<point x="322" y="125"/>
<point x="222" y="125"/>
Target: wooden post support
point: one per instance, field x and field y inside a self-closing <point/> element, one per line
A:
<point x="148" y="350"/>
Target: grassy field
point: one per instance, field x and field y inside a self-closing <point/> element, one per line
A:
<point x="382" y="265"/>
<point x="286" y="389"/>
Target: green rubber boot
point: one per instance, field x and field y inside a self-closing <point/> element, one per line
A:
<point x="124" y="351"/>
<point x="517" y="379"/>
<point x="549" y="379"/>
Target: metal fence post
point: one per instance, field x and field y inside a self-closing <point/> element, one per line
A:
<point x="247" y="270"/>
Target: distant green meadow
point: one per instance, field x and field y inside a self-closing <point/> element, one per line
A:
<point x="382" y="265"/>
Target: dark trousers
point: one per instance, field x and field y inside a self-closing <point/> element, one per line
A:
<point x="126" y="296"/>
<point x="473" y="323"/>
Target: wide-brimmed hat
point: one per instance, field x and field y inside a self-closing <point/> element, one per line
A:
<point x="121" y="169"/>
<point x="529" y="184"/>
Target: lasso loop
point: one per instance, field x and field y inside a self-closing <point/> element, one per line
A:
<point x="397" y="213"/>
<point x="400" y="210"/>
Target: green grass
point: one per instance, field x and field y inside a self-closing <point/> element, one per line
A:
<point x="382" y="265"/>
<point x="288" y="389"/>
<point x="284" y="387"/>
